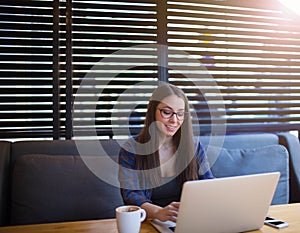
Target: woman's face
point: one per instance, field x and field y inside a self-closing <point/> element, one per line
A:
<point x="169" y="115"/>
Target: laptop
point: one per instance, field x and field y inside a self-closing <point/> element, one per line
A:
<point x="223" y="205"/>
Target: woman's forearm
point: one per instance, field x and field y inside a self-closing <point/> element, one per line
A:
<point x="151" y="210"/>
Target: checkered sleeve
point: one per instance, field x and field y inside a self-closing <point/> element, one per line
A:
<point x="130" y="181"/>
<point x="204" y="170"/>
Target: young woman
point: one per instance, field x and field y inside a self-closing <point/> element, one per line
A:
<point x="155" y="164"/>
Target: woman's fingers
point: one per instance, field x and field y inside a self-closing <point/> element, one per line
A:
<point x="169" y="212"/>
<point x="172" y="211"/>
<point x="175" y="204"/>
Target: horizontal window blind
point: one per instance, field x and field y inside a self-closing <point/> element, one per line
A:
<point x="245" y="62"/>
<point x="26" y="69"/>
<point x="114" y="65"/>
<point x="92" y="73"/>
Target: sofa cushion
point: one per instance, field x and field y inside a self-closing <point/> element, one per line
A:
<point x="59" y="188"/>
<point x="232" y="162"/>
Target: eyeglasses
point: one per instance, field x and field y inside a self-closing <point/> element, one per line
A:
<point x="167" y="114"/>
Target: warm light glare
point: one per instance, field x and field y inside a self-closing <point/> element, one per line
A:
<point x="293" y="5"/>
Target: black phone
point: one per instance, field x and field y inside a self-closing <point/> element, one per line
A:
<point x="275" y="223"/>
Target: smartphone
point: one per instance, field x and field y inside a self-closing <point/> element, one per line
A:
<point x="275" y="223"/>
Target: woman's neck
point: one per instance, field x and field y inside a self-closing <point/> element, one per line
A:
<point x="167" y="158"/>
<point x="167" y="143"/>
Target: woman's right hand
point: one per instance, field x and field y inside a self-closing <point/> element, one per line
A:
<point x="168" y="213"/>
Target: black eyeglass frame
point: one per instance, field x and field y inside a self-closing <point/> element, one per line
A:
<point x="173" y="113"/>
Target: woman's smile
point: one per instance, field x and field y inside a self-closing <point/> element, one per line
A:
<point x="171" y="128"/>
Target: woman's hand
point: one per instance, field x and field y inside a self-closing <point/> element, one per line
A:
<point x="169" y="212"/>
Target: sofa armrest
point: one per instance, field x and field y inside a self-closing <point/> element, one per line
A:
<point x="5" y="148"/>
<point x="292" y="144"/>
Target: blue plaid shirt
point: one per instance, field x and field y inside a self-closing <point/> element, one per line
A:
<point x="132" y="194"/>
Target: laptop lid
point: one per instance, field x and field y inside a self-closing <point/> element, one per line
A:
<point x="231" y="204"/>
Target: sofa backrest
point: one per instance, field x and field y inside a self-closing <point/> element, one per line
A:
<point x="244" y="154"/>
<point x="52" y="183"/>
<point x="248" y="141"/>
<point x="47" y="188"/>
<point x="16" y="159"/>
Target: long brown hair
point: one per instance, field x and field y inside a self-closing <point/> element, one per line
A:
<point x="183" y="138"/>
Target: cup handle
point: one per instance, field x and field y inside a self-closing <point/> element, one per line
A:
<point x="143" y="214"/>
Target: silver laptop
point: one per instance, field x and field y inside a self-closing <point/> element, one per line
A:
<point x="231" y="204"/>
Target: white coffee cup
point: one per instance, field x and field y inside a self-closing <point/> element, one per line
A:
<point x="129" y="218"/>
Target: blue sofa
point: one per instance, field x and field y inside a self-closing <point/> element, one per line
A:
<point x="47" y="181"/>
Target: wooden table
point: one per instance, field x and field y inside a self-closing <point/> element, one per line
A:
<point x="289" y="213"/>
